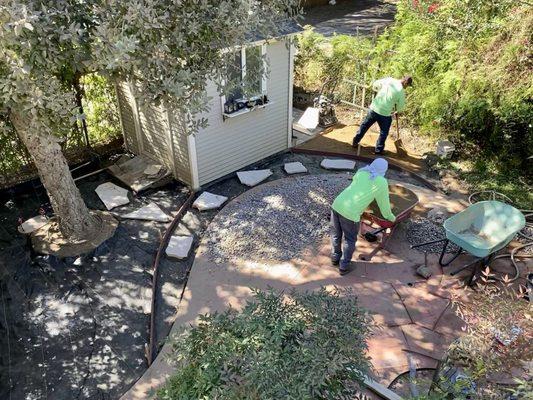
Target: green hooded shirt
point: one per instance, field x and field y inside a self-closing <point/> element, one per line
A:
<point x="354" y="200"/>
<point x="390" y="96"/>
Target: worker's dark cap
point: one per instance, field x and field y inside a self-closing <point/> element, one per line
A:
<point x="408" y="79"/>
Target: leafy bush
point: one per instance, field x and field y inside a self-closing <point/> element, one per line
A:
<point x="101" y="109"/>
<point x="305" y="346"/>
<point x="472" y="63"/>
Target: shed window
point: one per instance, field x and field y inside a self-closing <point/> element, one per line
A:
<point x="246" y="78"/>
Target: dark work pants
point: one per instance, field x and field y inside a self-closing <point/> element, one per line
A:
<point x="384" y="127"/>
<point x="343" y="228"/>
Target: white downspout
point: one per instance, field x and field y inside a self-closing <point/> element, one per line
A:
<point x="289" y="102"/>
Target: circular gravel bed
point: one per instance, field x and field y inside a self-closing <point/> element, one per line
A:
<point x="275" y="222"/>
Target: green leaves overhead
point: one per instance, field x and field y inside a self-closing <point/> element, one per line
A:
<point x="169" y="47"/>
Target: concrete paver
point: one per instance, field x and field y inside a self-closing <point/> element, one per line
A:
<point x="424" y="308"/>
<point x="425" y="341"/>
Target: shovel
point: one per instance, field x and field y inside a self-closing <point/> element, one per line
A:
<point x="398" y="144"/>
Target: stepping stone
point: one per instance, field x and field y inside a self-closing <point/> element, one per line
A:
<point x="179" y="246"/>
<point x="337" y="164"/>
<point x="33" y="224"/>
<point x="209" y="201"/>
<point x="252" y="178"/>
<point x="112" y="195"/>
<point x="295" y="168"/>
<point x="150" y="212"/>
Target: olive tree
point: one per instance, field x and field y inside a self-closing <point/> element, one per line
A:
<point x="170" y="48"/>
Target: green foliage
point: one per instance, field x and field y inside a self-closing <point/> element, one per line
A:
<point x="302" y="346"/>
<point x="103" y="125"/>
<point x="472" y="63"/>
<point x="101" y="109"/>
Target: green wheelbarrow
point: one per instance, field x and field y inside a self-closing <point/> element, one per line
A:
<point x="480" y="230"/>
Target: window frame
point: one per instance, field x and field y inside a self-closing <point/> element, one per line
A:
<point x="243" y="75"/>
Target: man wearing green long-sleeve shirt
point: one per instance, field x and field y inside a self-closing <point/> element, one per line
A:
<point x="390" y="98"/>
<point x="368" y="184"/>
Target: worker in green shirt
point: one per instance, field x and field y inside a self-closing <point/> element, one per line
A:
<point x="368" y="184"/>
<point x="390" y="98"/>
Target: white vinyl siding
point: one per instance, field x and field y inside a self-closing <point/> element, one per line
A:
<point x="228" y="145"/>
<point x="126" y="108"/>
<point x="181" y="149"/>
<point x="155" y="134"/>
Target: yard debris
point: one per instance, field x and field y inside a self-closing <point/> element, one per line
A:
<point x="152" y="170"/>
<point x="179" y="246"/>
<point x="112" y="195"/>
<point x="252" y="178"/>
<point x="295" y="168"/>
<point x="150" y="212"/>
<point x="337" y="164"/>
<point x="437" y="215"/>
<point x="33" y="224"/>
<point x="209" y="201"/>
<point x="444" y="148"/>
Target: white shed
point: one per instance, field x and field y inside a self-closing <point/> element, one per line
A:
<point x="236" y="136"/>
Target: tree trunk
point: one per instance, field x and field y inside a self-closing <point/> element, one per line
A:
<point x="75" y="221"/>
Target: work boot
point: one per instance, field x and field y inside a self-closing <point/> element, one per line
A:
<point x="343" y="271"/>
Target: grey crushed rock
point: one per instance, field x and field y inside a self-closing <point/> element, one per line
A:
<point x="275" y="222"/>
<point x="422" y="230"/>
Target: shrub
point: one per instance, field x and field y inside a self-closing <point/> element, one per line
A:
<point x="471" y="61"/>
<point x="302" y="346"/>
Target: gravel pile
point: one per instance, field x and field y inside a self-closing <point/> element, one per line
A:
<point x="422" y="230"/>
<point x="275" y="222"/>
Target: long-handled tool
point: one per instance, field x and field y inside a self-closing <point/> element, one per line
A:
<point x="400" y="149"/>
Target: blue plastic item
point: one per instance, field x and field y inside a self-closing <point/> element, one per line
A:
<point x="484" y="227"/>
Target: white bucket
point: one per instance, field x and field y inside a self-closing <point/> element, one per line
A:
<point x="445" y="148"/>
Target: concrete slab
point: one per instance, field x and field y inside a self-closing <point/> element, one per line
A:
<point x="426" y="341"/>
<point x="252" y="178"/>
<point x="423" y="307"/>
<point x="449" y="324"/>
<point x="150" y="212"/>
<point x="179" y="246"/>
<point x="337" y="164"/>
<point x="209" y="201"/>
<point x="385" y="349"/>
<point x="112" y="195"/>
<point x="295" y="168"/>
<point x="32" y="224"/>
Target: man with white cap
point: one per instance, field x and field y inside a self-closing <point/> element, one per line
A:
<point x="368" y="184"/>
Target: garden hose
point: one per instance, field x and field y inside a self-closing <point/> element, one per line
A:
<point x="512" y="255"/>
